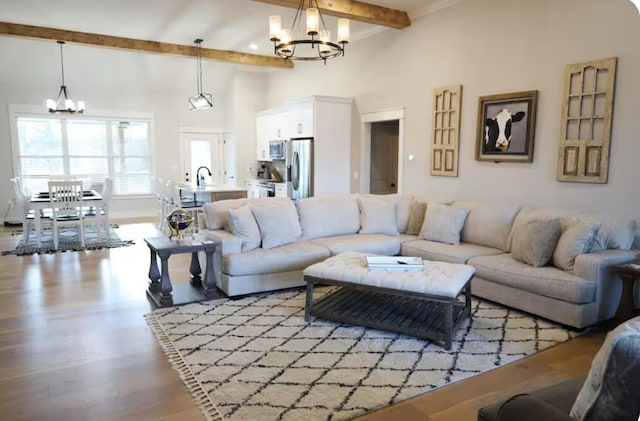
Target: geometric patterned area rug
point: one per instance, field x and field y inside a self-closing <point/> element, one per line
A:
<point x="257" y="359"/>
<point x="68" y="240"/>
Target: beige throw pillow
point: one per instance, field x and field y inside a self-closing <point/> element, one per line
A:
<point x="275" y="225"/>
<point x="576" y="239"/>
<point x="377" y="216"/>
<point x="242" y="224"/>
<point x="416" y="217"/>
<point x="536" y="241"/>
<point x="443" y="223"/>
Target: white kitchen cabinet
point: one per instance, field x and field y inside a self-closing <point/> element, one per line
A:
<point x="281" y="190"/>
<point x="301" y="117"/>
<point x="328" y="121"/>
<point x="270" y="125"/>
<point x="262" y="138"/>
<point x="253" y="188"/>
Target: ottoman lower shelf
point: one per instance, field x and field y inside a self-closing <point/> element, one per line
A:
<point x="408" y="315"/>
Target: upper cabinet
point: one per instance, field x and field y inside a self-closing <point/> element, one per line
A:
<point x="301" y="118"/>
<point x="270" y="125"/>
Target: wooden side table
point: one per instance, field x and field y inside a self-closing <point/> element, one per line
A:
<point x="161" y="291"/>
<point x="629" y="273"/>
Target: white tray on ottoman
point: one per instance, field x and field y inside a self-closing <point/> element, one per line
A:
<point x="421" y="303"/>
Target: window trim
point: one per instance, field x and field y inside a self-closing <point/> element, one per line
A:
<point x="18" y="110"/>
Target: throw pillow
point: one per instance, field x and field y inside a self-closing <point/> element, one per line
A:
<point x="377" y="216"/>
<point x="578" y="238"/>
<point x="443" y="223"/>
<point x="275" y="225"/>
<point x="242" y="224"/>
<point x="416" y="217"/>
<point x="610" y="391"/>
<point x="617" y="233"/>
<point x="536" y="242"/>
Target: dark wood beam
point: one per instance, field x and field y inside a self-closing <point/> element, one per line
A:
<point x="121" y="43"/>
<point x="354" y="10"/>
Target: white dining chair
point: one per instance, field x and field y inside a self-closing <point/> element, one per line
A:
<point x="67" y="207"/>
<point x="21" y="202"/>
<point x="103" y="214"/>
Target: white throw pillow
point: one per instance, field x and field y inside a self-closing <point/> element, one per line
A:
<point x="243" y="225"/>
<point x="576" y="239"/>
<point x="377" y="216"/>
<point x="443" y="223"/>
<point x="275" y="225"/>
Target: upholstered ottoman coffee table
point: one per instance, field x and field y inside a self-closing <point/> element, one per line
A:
<point x="423" y="303"/>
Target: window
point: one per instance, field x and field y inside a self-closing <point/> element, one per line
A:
<point x="88" y="149"/>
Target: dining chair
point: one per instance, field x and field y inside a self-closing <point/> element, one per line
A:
<point x="103" y="214"/>
<point x="66" y="205"/>
<point x="21" y="202"/>
<point x="188" y="204"/>
<point x="158" y="187"/>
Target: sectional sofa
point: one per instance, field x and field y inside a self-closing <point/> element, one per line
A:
<point x="554" y="263"/>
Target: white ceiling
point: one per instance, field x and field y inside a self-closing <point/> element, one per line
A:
<point x="223" y="24"/>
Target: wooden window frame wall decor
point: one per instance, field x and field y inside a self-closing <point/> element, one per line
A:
<point x="514" y="132"/>
<point x="587" y="113"/>
<point x="445" y="137"/>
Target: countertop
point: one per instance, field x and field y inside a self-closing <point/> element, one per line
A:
<point x="212" y="188"/>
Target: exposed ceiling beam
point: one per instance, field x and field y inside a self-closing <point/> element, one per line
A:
<point x="27" y="31"/>
<point x="355" y="10"/>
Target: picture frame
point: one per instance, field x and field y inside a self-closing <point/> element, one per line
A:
<point x="506" y="127"/>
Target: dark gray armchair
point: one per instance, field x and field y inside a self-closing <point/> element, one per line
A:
<point x="611" y="391"/>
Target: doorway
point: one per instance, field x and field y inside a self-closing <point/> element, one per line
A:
<point x="381" y="151"/>
<point x="201" y="149"/>
<point x="383" y="166"/>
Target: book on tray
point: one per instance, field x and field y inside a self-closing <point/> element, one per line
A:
<point x="395" y="262"/>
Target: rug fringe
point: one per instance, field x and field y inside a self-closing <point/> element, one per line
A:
<point x="195" y="388"/>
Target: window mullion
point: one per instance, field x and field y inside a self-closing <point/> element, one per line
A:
<point x="65" y="148"/>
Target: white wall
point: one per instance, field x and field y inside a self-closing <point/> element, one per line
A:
<point x="108" y="80"/>
<point x="492" y="47"/>
<point x="247" y="95"/>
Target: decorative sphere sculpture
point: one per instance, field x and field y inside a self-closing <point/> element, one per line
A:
<point x="178" y="220"/>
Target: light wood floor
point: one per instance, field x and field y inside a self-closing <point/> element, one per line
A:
<point x="74" y="345"/>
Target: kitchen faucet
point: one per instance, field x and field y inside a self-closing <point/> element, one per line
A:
<point x="198" y="175"/>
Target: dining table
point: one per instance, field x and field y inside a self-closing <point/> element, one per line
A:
<point x="41" y="201"/>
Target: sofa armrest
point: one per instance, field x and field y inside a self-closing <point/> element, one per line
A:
<point x="226" y="243"/>
<point x="597" y="267"/>
<point x="528" y="408"/>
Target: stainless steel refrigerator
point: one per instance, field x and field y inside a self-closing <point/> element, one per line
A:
<point x="299" y="165"/>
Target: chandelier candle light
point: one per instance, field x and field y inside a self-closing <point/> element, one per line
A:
<point x="64" y="103"/>
<point x="200" y="101"/>
<point x="288" y="45"/>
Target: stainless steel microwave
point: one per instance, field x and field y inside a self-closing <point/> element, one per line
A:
<point x="276" y="149"/>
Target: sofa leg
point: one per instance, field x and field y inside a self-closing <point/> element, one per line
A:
<point x="308" y="302"/>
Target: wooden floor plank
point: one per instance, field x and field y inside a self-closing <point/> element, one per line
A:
<point x="74" y="345"/>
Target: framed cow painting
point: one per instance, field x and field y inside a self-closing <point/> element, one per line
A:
<point x="506" y="127"/>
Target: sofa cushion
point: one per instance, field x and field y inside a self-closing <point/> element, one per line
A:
<point x="216" y="213"/>
<point x="528" y="214"/>
<point x="363" y="243"/>
<point x="377" y="216"/>
<point x="294" y="256"/>
<point x="243" y="225"/>
<point x="327" y="216"/>
<point x="433" y="250"/>
<point x="443" y="223"/>
<point x="612" y="386"/>
<point x="614" y="233"/>
<point x="547" y="281"/>
<point x="275" y="225"/>
<point x="536" y="242"/>
<point x="403" y="206"/>
<point x="416" y="217"/>
<point x="575" y="239"/>
<point x="487" y="224"/>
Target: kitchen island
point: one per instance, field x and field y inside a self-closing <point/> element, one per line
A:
<point x="213" y="192"/>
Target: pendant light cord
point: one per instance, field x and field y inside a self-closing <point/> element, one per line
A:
<point x="62" y="61"/>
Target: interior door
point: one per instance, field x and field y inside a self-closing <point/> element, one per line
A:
<point x="384" y="158"/>
<point x="202" y="149"/>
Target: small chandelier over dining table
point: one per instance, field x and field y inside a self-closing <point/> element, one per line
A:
<point x="288" y="44"/>
<point x="64" y="103"/>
